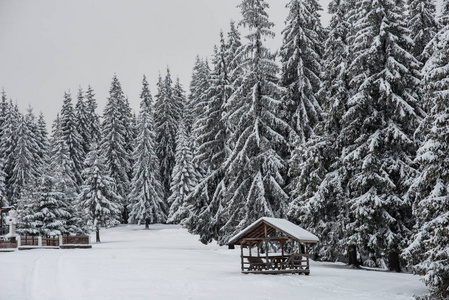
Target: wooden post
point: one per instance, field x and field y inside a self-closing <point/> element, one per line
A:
<point x="258" y="249"/>
<point x="308" y="265"/>
<point x="241" y="255"/>
<point x="266" y="243"/>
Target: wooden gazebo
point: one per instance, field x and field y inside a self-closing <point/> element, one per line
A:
<point x="274" y="246"/>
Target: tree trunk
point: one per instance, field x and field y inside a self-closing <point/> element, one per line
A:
<point x="147" y="224"/>
<point x="125" y="215"/>
<point x="393" y="260"/>
<point x="98" y="235"/>
<point x="352" y="256"/>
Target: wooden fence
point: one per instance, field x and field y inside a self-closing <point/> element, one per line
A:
<point x="29" y="241"/>
<point x="50" y="241"/>
<point x="7" y="244"/>
<point x="75" y="239"/>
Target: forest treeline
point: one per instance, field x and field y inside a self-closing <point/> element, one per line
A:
<point x="344" y="131"/>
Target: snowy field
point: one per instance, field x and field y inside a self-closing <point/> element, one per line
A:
<point x="168" y="263"/>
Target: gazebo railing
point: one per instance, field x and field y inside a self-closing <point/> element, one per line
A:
<point x="298" y="262"/>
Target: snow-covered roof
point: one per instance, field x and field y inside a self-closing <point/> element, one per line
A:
<point x="287" y="227"/>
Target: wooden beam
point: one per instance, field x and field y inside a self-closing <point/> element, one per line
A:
<point x="241" y="256"/>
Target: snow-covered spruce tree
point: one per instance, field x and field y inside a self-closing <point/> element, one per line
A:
<point x="167" y="115"/>
<point x="233" y="44"/>
<point x="47" y="217"/>
<point x="37" y="163"/>
<point x="146" y="199"/>
<point x="180" y="96"/>
<point x="318" y="198"/>
<point x="198" y="87"/>
<point x="7" y="147"/>
<point x="24" y="172"/>
<point x="256" y="185"/>
<point x="60" y="172"/>
<point x="42" y="139"/>
<point x="98" y="198"/>
<point x="83" y="123"/>
<point x="94" y="129"/>
<point x="301" y="53"/>
<point x="428" y="251"/>
<point x="421" y="21"/>
<point x="378" y="128"/>
<point x="184" y="180"/>
<point x="72" y="137"/>
<point x="114" y="145"/>
<point x="211" y="152"/>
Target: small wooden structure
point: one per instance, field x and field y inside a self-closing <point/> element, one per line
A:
<point x="288" y="243"/>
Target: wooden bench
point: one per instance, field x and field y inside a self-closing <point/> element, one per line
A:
<point x="256" y="263"/>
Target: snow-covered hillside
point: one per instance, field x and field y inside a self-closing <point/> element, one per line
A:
<point x="166" y="262"/>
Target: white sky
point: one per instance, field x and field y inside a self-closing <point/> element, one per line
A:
<point x="49" y="46"/>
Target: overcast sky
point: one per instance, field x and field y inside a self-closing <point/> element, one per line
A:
<point x="49" y="46"/>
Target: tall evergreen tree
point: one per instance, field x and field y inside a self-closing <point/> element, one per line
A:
<point x="42" y="138"/>
<point x="94" y="129"/>
<point x="184" y="180"/>
<point x="82" y="125"/>
<point x="378" y="128"/>
<point x="211" y="151"/>
<point x="147" y="205"/>
<point x="8" y="145"/>
<point x="63" y="182"/>
<point x="318" y="196"/>
<point x="428" y="251"/>
<point x="198" y="87"/>
<point x="24" y="173"/>
<point x="301" y="66"/>
<point x="256" y="185"/>
<point x="45" y="215"/>
<point x="72" y="137"/>
<point x="98" y="198"/>
<point x="114" y="144"/>
<point x="167" y="116"/>
<point x="422" y="24"/>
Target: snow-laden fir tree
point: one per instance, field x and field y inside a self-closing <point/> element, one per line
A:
<point x="254" y="168"/>
<point x="180" y="96"/>
<point x="83" y="125"/>
<point x="8" y="144"/>
<point x="428" y="251"/>
<point x="37" y="163"/>
<point x="184" y="180"/>
<point x="378" y="127"/>
<point x="94" y="129"/>
<point x="211" y="151"/>
<point x="72" y="137"/>
<point x="24" y="171"/>
<point x="233" y="44"/>
<point x="421" y="20"/>
<point x="167" y="115"/>
<point x="318" y="198"/>
<point x="60" y="172"/>
<point x="114" y="148"/>
<point x="3" y="116"/>
<point x="301" y="53"/>
<point x="98" y="198"/>
<point x="42" y="138"/>
<point x="46" y="215"/>
<point x="147" y="205"/>
<point x="198" y="87"/>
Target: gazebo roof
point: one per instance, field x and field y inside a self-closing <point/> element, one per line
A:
<point x="257" y="230"/>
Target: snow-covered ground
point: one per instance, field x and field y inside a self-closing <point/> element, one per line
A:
<point x="168" y="263"/>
